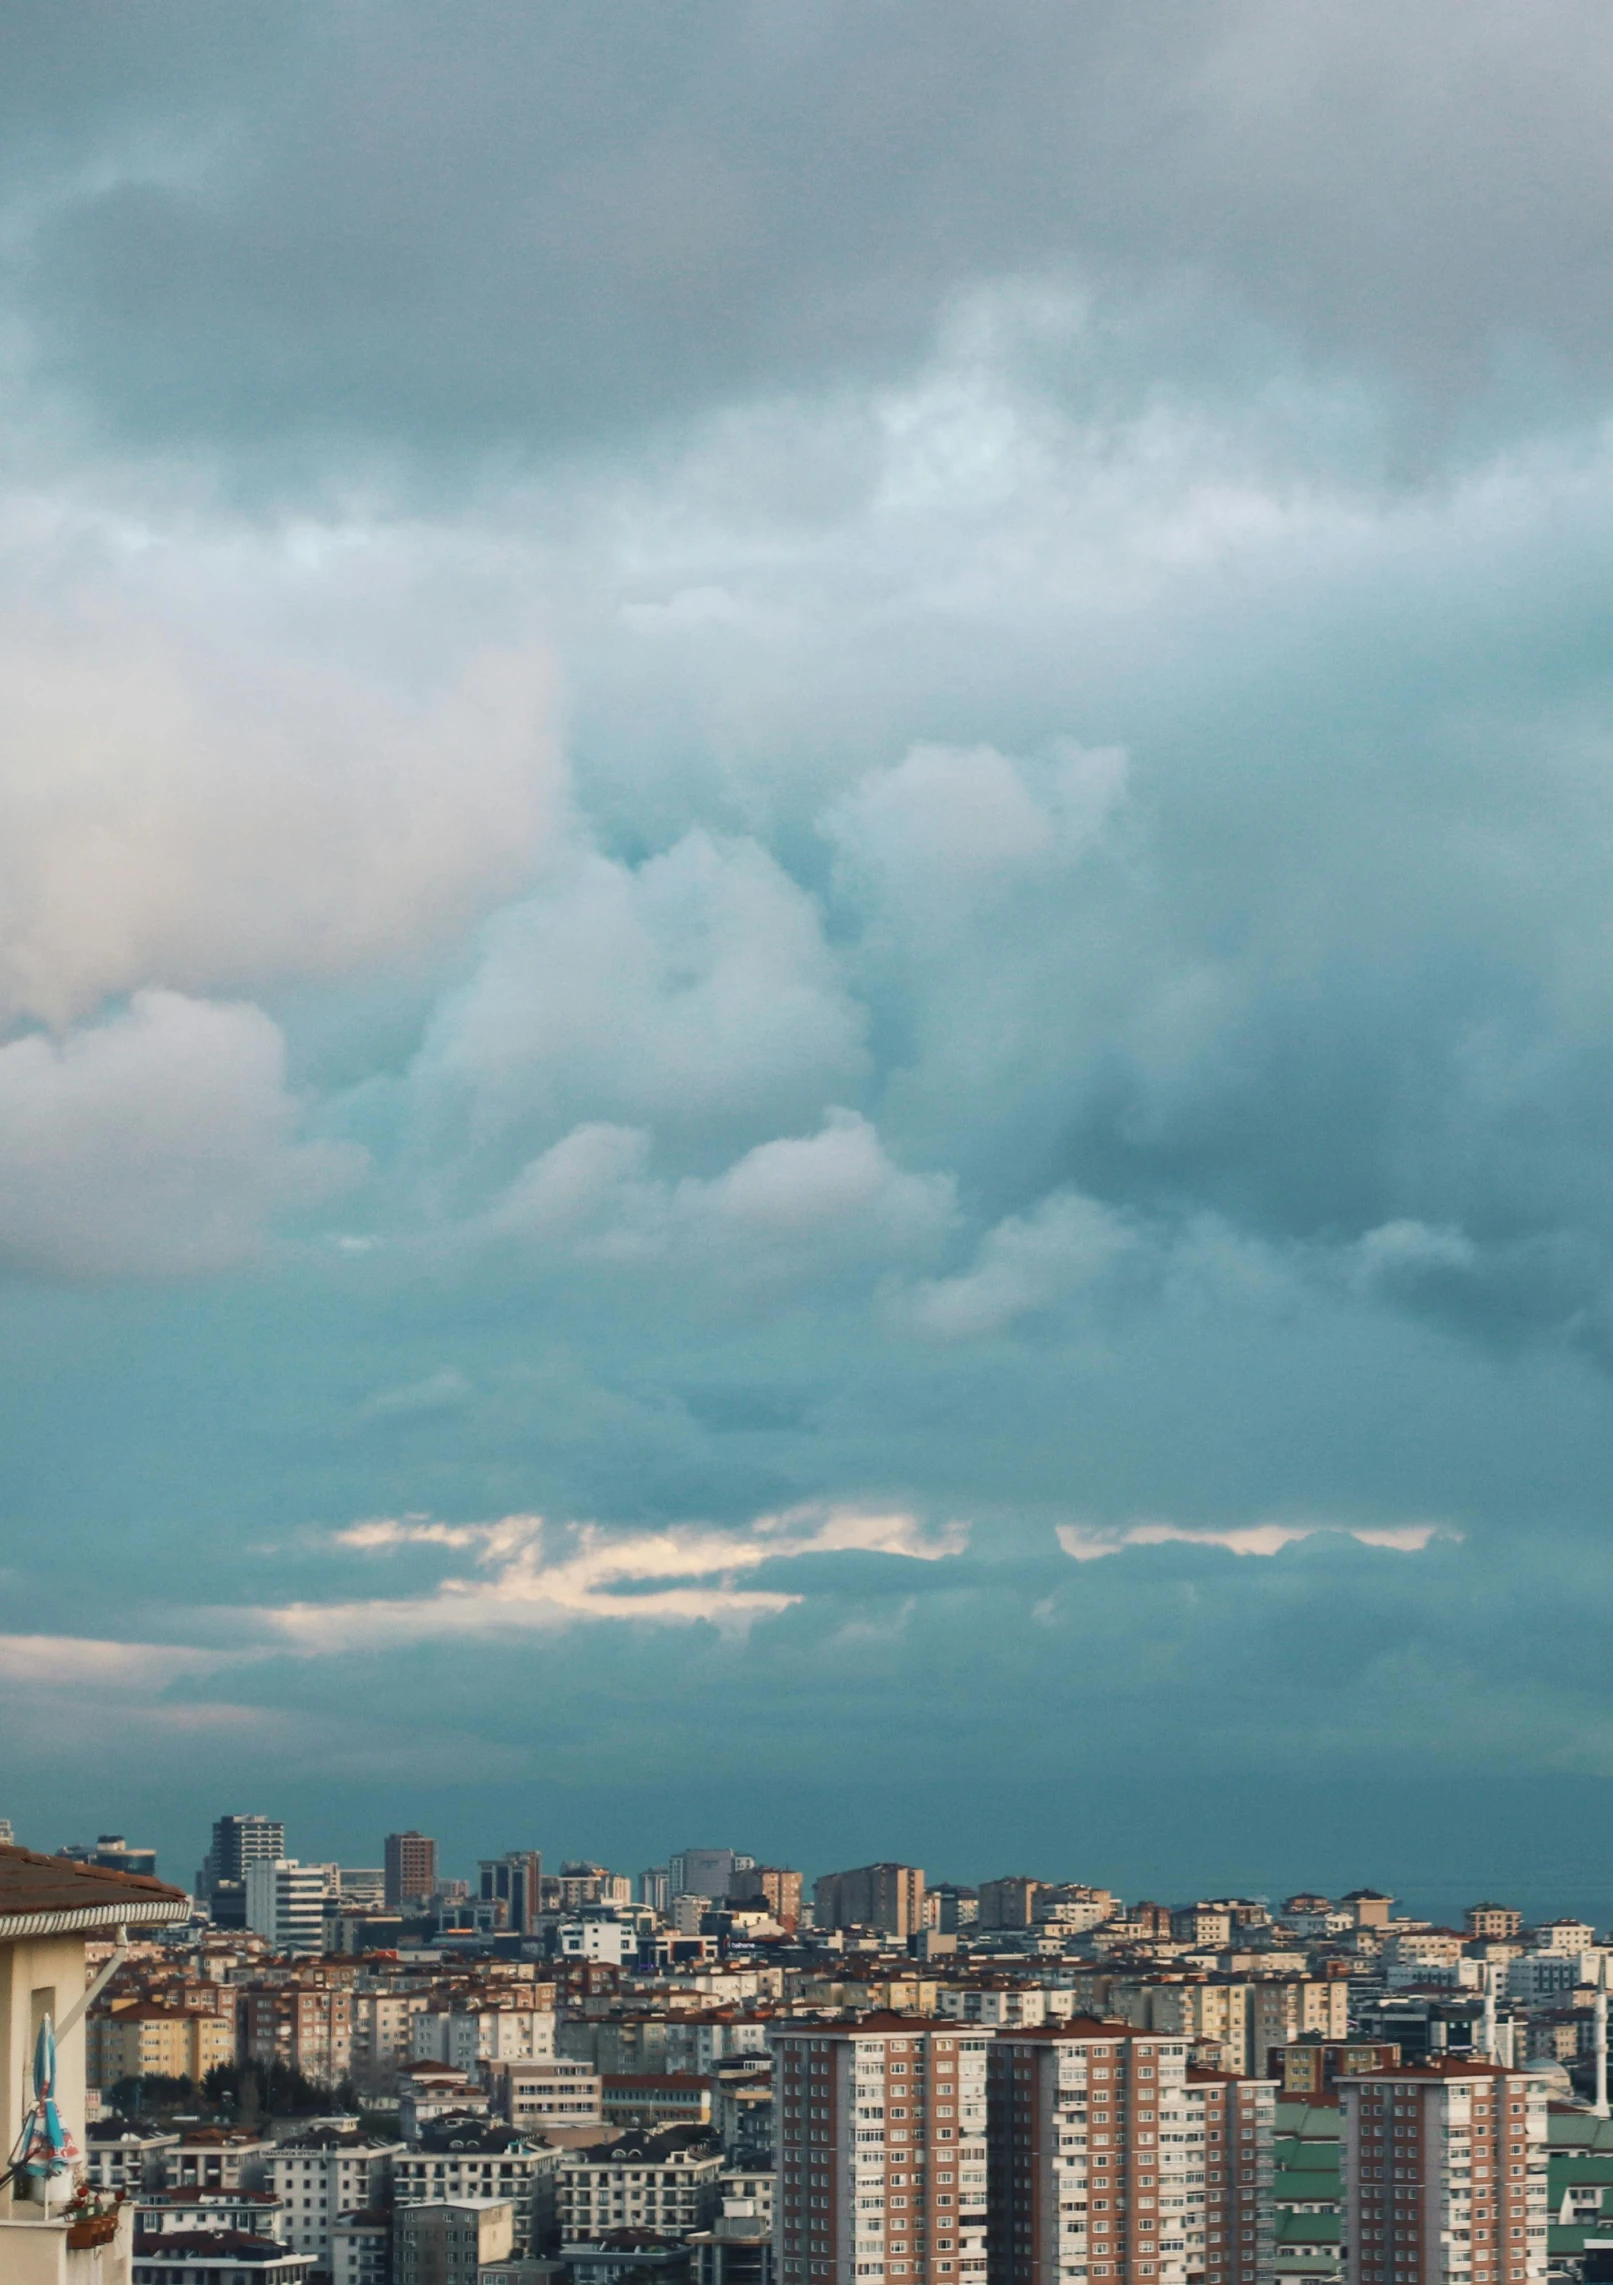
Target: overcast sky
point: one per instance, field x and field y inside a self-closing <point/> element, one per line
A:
<point x="806" y="956"/>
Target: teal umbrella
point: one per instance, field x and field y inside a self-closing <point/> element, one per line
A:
<point x="46" y="2149"/>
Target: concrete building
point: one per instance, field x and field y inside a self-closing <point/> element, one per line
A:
<point x="217" y="2257"/>
<point x="1096" y="2157"/>
<point x="466" y="2037"/>
<point x="217" y="2158"/>
<point x="47" y="1910"/>
<point x="514" y="1881"/>
<point x="666" y="2180"/>
<point x="1444" y="2175"/>
<point x="777" y="1887"/>
<point x="1236" y="2118"/>
<point x="361" y="2248"/>
<point x="460" y="2159"/>
<point x="882" y="2148"/>
<point x="410" y="1868"/>
<point x="306" y="2025"/>
<point x="703" y="1872"/>
<point x="447" y="2241"/>
<point x="238" y="1841"/>
<point x="884" y="1896"/>
<point x="1010" y="1902"/>
<point x="323" y="2174"/>
<point x="146" y="2041"/>
<point x="1502" y="1920"/>
<point x="285" y="1903"/>
<point x="535" y="2097"/>
<point x="738" y="2247"/>
<point x="120" y="2154"/>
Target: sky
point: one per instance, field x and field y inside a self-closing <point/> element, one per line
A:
<point x="806" y="957"/>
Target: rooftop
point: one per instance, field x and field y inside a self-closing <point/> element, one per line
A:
<point x="52" y="1896"/>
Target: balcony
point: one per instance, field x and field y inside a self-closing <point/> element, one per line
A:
<point x="55" y="2252"/>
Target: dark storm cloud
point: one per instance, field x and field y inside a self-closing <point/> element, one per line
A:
<point x="528" y="224"/>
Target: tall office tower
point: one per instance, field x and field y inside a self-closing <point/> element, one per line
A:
<point x="885" y="1896"/>
<point x="285" y="1901"/>
<point x="516" y="1882"/>
<point x="702" y="1872"/>
<point x="237" y="1843"/>
<point x="1233" y="2119"/>
<point x="1092" y="2171"/>
<point x="1444" y="2167"/>
<point x="655" y="1887"/>
<point x="411" y="1868"/>
<point x="882" y="2152"/>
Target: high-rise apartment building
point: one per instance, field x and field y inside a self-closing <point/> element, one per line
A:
<point x="1096" y="2157"/>
<point x="882" y="2152"/>
<point x="778" y="1888"/>
<point x="885" y="1896"/>
<point x="1009" y="1902"/>
<point x="1444" y="2175"/>
<point x="516" y="1882"/>
<point x="411" y="1868"/>
<point x="701" y="1872"/>
<point x="1233" y="2118"/>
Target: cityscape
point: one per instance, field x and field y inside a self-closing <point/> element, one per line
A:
<point x="806" y="1202"/>
<point x="714" y="2072"/>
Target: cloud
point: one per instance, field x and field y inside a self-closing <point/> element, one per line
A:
<point x="173" y="816"/>
<point x="1089" y="1543"/>
<point x="162" y="1143"/>
<point x="799" y="203"/>
<point x="677" y="1577"/>
<point x="110" y="1669"/>
<point x="695" y="992"/>
<point x="1066" y="1246"/>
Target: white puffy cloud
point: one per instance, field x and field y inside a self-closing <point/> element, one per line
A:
<point x="695" y="993"/>
<point x="161" y="1143"/>
<point x="174" y="815"/>
<point x="1067" y="1245"/>
<point x="799" y="1207"/>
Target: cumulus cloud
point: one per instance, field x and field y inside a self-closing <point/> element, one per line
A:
<point x="696" y="993"/>
<point x="161" y="1143"/>
<point x="171" y="817"/>
<point x="1065" y="1247"/>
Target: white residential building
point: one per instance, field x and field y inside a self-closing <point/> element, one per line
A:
<point x="324" y="2174"/>
<point x="470" y="2036"/>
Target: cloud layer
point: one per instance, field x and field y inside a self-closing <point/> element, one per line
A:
<point x="848" y="767"/>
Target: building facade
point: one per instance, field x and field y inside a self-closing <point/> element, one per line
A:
<point x="882" y="2151"/>
<point x="1444" y="2175"/>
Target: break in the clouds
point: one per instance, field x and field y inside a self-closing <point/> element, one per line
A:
<point x="829" y="792"/>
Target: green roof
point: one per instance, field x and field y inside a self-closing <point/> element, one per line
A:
<point x="1307" y="2122"/>
<point x="1578" y="2130"/>
<point x="1307" y="2261"/>
<point x="1306" y="2229"/>
<point x="1566" y="2166"/>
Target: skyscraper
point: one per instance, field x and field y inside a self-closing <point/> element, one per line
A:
<point x="702" y="1872"/>
<point x="882" y="2152"/>
<point x="411" y="1868"/>
<point x="516" y="1882"/>
<point x="238" y="1842"/>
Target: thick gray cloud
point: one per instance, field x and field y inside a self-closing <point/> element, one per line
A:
<point x="758" y="796"/>
<point x="525" y="226"/>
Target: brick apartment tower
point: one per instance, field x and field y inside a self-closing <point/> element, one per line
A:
<point x="882" y="2152"/>
<point x="1236" y="2117"/>
<point x="1444" y="2167"/>
<point x="411" y="1867"/>
<point x="1096" y="2170"/>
